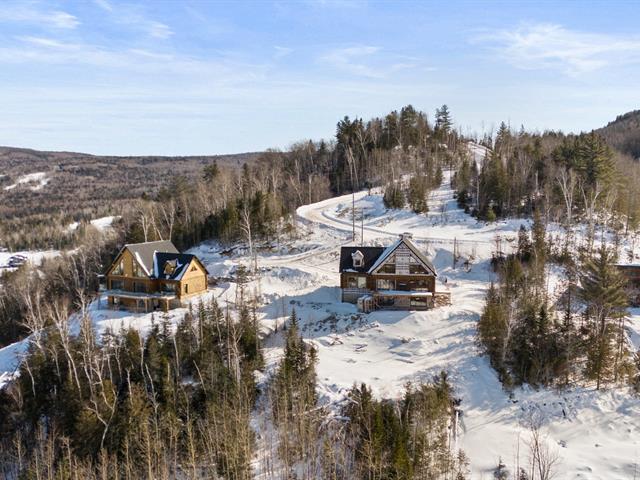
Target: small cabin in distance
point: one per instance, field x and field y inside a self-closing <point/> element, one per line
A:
<point x="153" y="276"/>
<point x="398" y="277"/>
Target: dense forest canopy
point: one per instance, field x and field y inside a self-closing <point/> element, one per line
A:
<point x="623" y="133"/>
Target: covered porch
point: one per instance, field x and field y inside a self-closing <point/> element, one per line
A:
<point x="403" y="300"/>
<point x="140" y="301"/>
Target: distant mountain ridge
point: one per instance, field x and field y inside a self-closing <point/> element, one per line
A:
<point x="623" y="133"/>
<point x="41" y="182"/>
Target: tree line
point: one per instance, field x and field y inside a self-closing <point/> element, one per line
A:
<point x="580" y="337"/>
<point x="364" y="438"/>
<point x="566" y="177"/>
<point x="163" y="405"/>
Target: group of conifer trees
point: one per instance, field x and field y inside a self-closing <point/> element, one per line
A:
<point x="160" y="405"/>
<point x="529" y="336"/>
<point x="426" y="152"/>
<point x="567" y="177"/>
<point x="179" y="403"/>
<point x="580" y="337"/>
<point x="231" y="204"/>
<point x="367" y="437"/>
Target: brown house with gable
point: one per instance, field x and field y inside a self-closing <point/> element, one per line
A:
<point x="153" y="276"/>
<point x="398" y="277"/>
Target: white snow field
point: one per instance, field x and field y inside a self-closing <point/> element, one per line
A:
<point x="102" y="223"/>
<point x="595" y="434"/>
<point x="36" y="181"/>
<point x="34" y="256"/>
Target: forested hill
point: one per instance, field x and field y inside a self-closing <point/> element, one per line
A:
<point x="42" y="192"/>
<point x="623" y="133"/>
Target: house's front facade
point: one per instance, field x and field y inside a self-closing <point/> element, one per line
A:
<point x="153" y="276"/>
<point x="397" y="277"/>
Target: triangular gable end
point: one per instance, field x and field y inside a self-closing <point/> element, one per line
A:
<point x="403" y="249"/>
<point x="135" y="257"/>
<point x="116" y="260"/>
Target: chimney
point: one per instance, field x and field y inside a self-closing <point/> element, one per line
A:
<point x="406" y="236"/>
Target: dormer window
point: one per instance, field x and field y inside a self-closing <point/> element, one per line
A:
<point x="358" y="259"/>
<point x="170" y="267"/>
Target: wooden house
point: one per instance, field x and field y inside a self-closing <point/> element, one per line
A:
<point x="398" y="277"/>
<point x="153" y="276"/>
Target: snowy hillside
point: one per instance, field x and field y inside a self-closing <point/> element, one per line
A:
<point x="595" y="434"/>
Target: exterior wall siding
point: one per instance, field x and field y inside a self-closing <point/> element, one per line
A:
<point x="351" y="295"/>
<point x="193" y="282"/>
<point x="372" y="280"/>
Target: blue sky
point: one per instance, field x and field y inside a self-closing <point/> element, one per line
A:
<point x="204" y="77"/>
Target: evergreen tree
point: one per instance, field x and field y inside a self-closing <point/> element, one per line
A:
<point x="492" y="330"/>
<point x="539" y="250"/>
<point x="393" y="196"/>
<point x="602" y="290"/>
<point x="524" y="244"/>
<point x="418" y="191"/>
<point x="443" y="122"/>
<point x="594" y="159"/>
<point x="493" y="186"/>
<point x="211" y="172"/>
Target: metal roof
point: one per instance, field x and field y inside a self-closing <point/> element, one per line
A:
<point x="144" y="253"/>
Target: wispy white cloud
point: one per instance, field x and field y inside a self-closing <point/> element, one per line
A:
<point x="26" y="13"/>
<point x="42" y="50"/>
<point x="544" y="46"/>
<point x="134" y="17"/>
<point x="158" y="29"/>
<point x="282" y="51"/>
<point x="104" y="4"/>
<point x="353" y="60"/>
<point x="368" y="61"/>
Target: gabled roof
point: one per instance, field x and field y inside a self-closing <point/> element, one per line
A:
<point x="154" y="256"/>
<point x="144" y="253"/>
<point x="370" y="255"/>
<point x="181" y="262"/>
<point x="406" y="240"/>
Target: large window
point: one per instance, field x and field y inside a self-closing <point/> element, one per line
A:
<point x="137" y="270"/>
<point x="118" y="269"/>
<point x="357" y="282"/>
<point x="168" y="287"/>
<point x="420" y="284"/>
<point x="388" y="268"/>
<point x="416" y="268"/>
<point x="139" y="287"/>
<point x="117" y="284"/>
<point x="384" y="284"/>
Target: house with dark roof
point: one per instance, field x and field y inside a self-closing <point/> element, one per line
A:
<point x="153" y="276"/>
<point x="399" y="277"/>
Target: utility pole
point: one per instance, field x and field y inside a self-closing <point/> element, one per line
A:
<point x="353" y="213"/>
<point x="362" y="226"/>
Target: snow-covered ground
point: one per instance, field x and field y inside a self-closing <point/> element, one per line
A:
<point x="102" y="223"/>
<point x="595" y="434"/>
<point x="34" y="256"/>
<point x="36" y="181"/>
